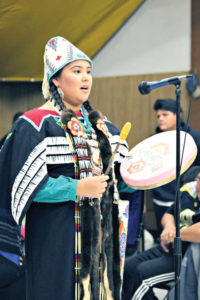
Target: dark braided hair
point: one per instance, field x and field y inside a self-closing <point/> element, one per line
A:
<point x="87" y="106"/>
<point x="56" y="96"/>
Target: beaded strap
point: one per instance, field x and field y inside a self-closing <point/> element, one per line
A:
<point x="86" y="163"/>
<point x="84" y="167"/>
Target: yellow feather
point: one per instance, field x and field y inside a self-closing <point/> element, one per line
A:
<point x="125" y="131"/>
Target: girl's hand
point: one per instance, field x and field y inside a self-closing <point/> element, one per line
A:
<point x="92" y="187"/>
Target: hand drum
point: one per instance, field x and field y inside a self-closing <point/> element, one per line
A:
<point x="152" y="162"/>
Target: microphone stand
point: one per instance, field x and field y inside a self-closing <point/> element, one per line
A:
<point x="177" y="240"/>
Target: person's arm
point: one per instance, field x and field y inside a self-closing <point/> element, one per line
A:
<point x="168" y="220"/>
<point x="56" y="190"/>
<point x="191" y="233"/>
<point x="121" y="185"/>
<point x="169" y="230"/>
<point x="64" y="189"/>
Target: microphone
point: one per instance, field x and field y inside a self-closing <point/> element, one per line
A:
<point x="146" y="87"/>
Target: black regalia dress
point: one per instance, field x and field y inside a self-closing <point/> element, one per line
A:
<point x="36" y="149"/>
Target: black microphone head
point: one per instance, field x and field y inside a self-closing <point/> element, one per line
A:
<point x="144" y="88"/>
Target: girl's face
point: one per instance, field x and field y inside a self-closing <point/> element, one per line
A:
<point x="76" y="82"/>
<point x="166" y="120"/>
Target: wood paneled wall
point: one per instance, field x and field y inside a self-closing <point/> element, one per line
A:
<point x="14" y="97"/>
<point x="195" y="57"/>
<point x="118" y="98"/>
<point x="121" y="101"/>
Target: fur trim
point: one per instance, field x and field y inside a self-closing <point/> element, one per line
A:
<point x="67" y="115"/>
<point x="92" y="219"/>
<point x="110" y="223"/>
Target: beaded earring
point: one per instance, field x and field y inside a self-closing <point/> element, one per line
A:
<point x="60" y="92"/>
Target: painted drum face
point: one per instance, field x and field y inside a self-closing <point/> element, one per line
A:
<point x="152" y="162"/>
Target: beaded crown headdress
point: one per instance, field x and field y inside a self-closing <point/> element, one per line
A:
<point x="59" y="52"/>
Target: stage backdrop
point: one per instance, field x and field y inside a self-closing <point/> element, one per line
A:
<point x="26" y="26"/>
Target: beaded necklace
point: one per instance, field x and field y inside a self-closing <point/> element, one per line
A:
<point x="87" y="127"/>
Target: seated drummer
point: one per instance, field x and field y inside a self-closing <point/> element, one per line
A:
<point x="156" y="265"/>
<point x="163" y="196"/>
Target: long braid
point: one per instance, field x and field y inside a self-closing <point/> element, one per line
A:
<point x="54" y="92"/>
<point x="87" y="106"/>
<point x="56" y="97"/>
